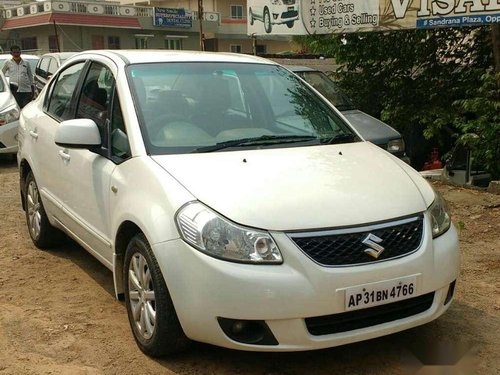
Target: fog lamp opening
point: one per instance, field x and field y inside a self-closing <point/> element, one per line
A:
<point x="451" y="292"/>
<point x="254" y="332"/>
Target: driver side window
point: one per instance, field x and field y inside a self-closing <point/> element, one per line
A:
<point x="93" y="101"/>
<point x="120" y="149"/>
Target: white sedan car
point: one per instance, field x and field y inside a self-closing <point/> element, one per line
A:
<point x="233" y="205"/>
<point x="9" y="118"/>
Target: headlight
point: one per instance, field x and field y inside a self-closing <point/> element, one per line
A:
<point x="440" y="219"/>
<point x="8" y="115"/>
<point x="396" y="145"/>
<point x="214" y="235"/>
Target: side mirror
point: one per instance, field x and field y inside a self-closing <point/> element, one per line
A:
<point x="78" y="133"/>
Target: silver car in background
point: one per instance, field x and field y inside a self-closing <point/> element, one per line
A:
<point x="9" y="118"/>
<point x="370" y="128"/>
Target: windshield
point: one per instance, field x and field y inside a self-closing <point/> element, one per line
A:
<point x="328" y="89"/>
<point x="205" y="107"/>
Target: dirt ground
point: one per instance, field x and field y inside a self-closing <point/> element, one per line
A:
<point x="58" y="314"/>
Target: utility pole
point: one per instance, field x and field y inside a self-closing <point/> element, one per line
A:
<point x="254" y="44"/>
<point x="200" y="20"/>
<point x="57" y="38"/>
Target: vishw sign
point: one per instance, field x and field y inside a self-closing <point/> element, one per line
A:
<point x="299" y="17"/>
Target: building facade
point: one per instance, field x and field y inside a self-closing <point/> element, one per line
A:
<point x="51" y="26"/>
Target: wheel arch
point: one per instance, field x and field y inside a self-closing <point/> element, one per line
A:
<point x="126" y="231"/>
<point x="24" y="169"/>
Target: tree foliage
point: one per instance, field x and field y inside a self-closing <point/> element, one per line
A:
<point x="428" y="84"/>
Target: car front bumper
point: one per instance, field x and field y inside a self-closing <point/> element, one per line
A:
<point x="204" y="289"/>
<point x="284" y="14"/>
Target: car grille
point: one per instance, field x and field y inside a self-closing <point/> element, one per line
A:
<point x="288" y="2"/>
<point x="348" y="321"/>
<point x="345" y="247"/>
<point x="289" y="14"/>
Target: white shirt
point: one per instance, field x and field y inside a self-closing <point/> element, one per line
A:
<point x="19" y="74"/>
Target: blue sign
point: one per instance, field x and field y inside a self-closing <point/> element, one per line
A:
<point x="173" y="17"/>
<point x="469" y="19"/>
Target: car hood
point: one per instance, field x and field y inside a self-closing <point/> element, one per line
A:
<point x="302" y="188"/>
<point x="370" y="128"/>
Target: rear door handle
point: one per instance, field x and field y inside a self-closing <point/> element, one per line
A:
<point x="34" y="134"/>
<point x="64" y="155"/>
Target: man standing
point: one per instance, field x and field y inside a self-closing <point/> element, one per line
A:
<point x="21" y="77"/>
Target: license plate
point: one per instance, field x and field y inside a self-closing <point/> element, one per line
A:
<point x="368" y="295"/>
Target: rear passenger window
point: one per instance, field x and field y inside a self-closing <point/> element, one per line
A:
<point x="41" y="70"/>
<point x="52" y="67"/>
<point x="60" y="97"/>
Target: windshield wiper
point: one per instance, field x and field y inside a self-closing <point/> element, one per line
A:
<point x="256" y="141"/>
<point x="341" y="138"/>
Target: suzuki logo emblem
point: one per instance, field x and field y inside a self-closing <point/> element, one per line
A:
<point x="373" y="242"/>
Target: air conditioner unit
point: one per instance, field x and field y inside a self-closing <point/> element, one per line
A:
<point x="8" y="13"/>
<point x="95" y="8"/>
<point x="211" y="16"/>
<point x="33" y="8"/>
<point x="62" y="7"/>
<point x="47" y="6"/>
<point x="127" y="11"/>
<point x="20" y="11"/>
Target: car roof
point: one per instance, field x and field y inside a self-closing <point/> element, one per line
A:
<point x="63" y="55"/>
<point x="148" y="56"/>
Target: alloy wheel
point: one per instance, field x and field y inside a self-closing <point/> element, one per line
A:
<point x="142" y="296"/>
<point x="34" y="210"/>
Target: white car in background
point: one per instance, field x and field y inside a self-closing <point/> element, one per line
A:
<point x="235" y="206"/>
<point x="274" y="12"/>
<point x="9" y="118"/>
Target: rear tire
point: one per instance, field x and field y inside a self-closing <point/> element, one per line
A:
<point x="42" y="233"/>
<point x="151" y="313"/>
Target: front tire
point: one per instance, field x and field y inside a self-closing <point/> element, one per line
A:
<point x="267" y="21"/>
<point x="42" y="233"/>
<point x="151" y="313"/>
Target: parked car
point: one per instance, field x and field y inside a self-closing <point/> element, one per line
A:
<point x="276" y="12"/>
<point x="9" y="118"/>
<point x="46" y="67"/>
<point x="232" y="203"/>
<point x="370" y="128"/>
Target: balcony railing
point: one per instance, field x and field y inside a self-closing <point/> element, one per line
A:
<point x="91" y="8"/>
<point x="85" y="7"/>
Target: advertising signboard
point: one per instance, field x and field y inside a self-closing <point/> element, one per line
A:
<point x="173" y="17"/>
<point x="302" y="17"/>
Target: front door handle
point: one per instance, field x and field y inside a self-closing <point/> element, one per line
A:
<point x="34" y="134"/>
<point x="64" y="155"/>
